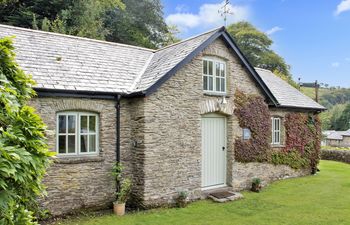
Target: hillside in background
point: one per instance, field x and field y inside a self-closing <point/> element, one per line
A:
<point x="337" y="101"/>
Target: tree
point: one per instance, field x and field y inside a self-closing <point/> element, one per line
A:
<point x="343" y="121"/>
<point x="24" y="155"/>
<point x="256" y="46"/>
<point x="131" y="22"/>
<point x="141" y="23"/>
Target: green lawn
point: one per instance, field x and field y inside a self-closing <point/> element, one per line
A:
<point x="320" y="199"/>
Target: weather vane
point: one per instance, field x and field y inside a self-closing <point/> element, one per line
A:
<point x="225" y="10"/>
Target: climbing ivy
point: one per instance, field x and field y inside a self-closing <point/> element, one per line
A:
<point x="24" y="155"/>
<point x="303" y="135"/>
<point x="253" y="113"/>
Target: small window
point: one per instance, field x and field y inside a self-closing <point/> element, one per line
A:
<point x="246" y="134"/>
<point x="276" y="130"/>
<point x="214" y="76"/>
<point x="77" y="133"/>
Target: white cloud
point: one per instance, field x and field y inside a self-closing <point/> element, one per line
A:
<point x="343" y="6"/>
<point x="273" y="30"/>
<point x="335" y="64"/>
<point x="207" y="17"/>
<point x="347" y="59"/>
<point x="181" y="8"/>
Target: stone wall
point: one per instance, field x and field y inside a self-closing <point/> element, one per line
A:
<point x="336" y="155"/>
<point x="172" y="134"/>
<point x="345" y="142"/>
<point x="243" y="173"/>
<point x="77" y="182"/>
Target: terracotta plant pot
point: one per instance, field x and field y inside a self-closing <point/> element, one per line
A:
<point x="119" y="208"/>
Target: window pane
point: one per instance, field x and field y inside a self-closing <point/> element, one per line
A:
<point x="83" y="143"/>
<point x="210" y="83"/>
<point x="92" y="143"/>
<point x="71" y="124"/>
<point x="210" y="72"/>
<point x="71" y="144"/>
<point x="217" y="84"/>
<point x="83" y="124"/>
<point x="205" y="66"/>
<point x="62" y="124"/>
<point x="222" y="69"/>
<point x="223" y="84"/>
<point x="205" y="83"/>
<point x="92" y="124"/>
<point x="62" y="144"/>
<point x="217" y="66"/>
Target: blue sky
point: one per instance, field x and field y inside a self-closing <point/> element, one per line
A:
<point x="312" y="35"/>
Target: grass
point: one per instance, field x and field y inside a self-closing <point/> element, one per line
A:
<point x="320" y="199"/>
<point x="311" y="91"/>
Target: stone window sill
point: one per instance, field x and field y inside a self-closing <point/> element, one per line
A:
<point x="278" y="146"/>
<point x="77" y="159"/>
<point x="216" y="94"/>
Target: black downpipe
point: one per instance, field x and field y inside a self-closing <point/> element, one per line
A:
<point x="117" y="106"/>
<point x="117" y="149"/>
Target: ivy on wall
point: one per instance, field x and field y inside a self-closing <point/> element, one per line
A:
<point x="302" y="138"/>
<point x="253" y="113"/>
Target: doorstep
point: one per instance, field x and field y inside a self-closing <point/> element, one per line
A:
<point x="224" y="194"/>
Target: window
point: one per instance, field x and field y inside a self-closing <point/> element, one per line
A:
<point x="214" y="76"/>
<point x="246" y="134"/>
<point x="77" y="133"/>
<point x="276" y="130"/>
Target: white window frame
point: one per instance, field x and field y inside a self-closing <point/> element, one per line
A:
<point x="214" y="76"/>
<point x="77" y="133"/>
<point x="276" y="123"/>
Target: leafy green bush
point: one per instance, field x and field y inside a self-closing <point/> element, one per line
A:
<point x="335" y="148"/>
<point x="24" y="155"/>
<point x="292" y="158"/>
<point x="125" y="189"/>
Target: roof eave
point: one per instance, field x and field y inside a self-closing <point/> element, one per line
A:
<point x="301" y="108"/>
<point x="46" y="92"/>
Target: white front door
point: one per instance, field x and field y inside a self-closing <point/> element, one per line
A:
<point x="213" y="151"/>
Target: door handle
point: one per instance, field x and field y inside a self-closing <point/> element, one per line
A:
<point x="223" y="148"/>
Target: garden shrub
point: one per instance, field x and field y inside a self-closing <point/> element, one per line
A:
<point x="253" y="113"/>
<point x="24" y="155"/>
<point x="292" y="158"/>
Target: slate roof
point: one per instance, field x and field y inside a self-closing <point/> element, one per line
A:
<point x="63" y="63"/>
<point x="72" y="63"/>
<point x="286" y="95"/>
<point x="337" y="135"/>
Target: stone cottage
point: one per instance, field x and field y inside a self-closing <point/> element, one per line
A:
<point x="167" y="115"/>
<point x="337" y="138"/>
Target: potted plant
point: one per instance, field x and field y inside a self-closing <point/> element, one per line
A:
<point x="256" y="185"/>
<point x="123" y="190"/>
<point x="122" y="196"/>
<point x="181" y="200"/>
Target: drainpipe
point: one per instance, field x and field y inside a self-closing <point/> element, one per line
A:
<point x="117" y="149"/>
<point x="117" y="107"/>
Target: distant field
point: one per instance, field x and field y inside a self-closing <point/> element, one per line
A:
<point x="311" y="91"/>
